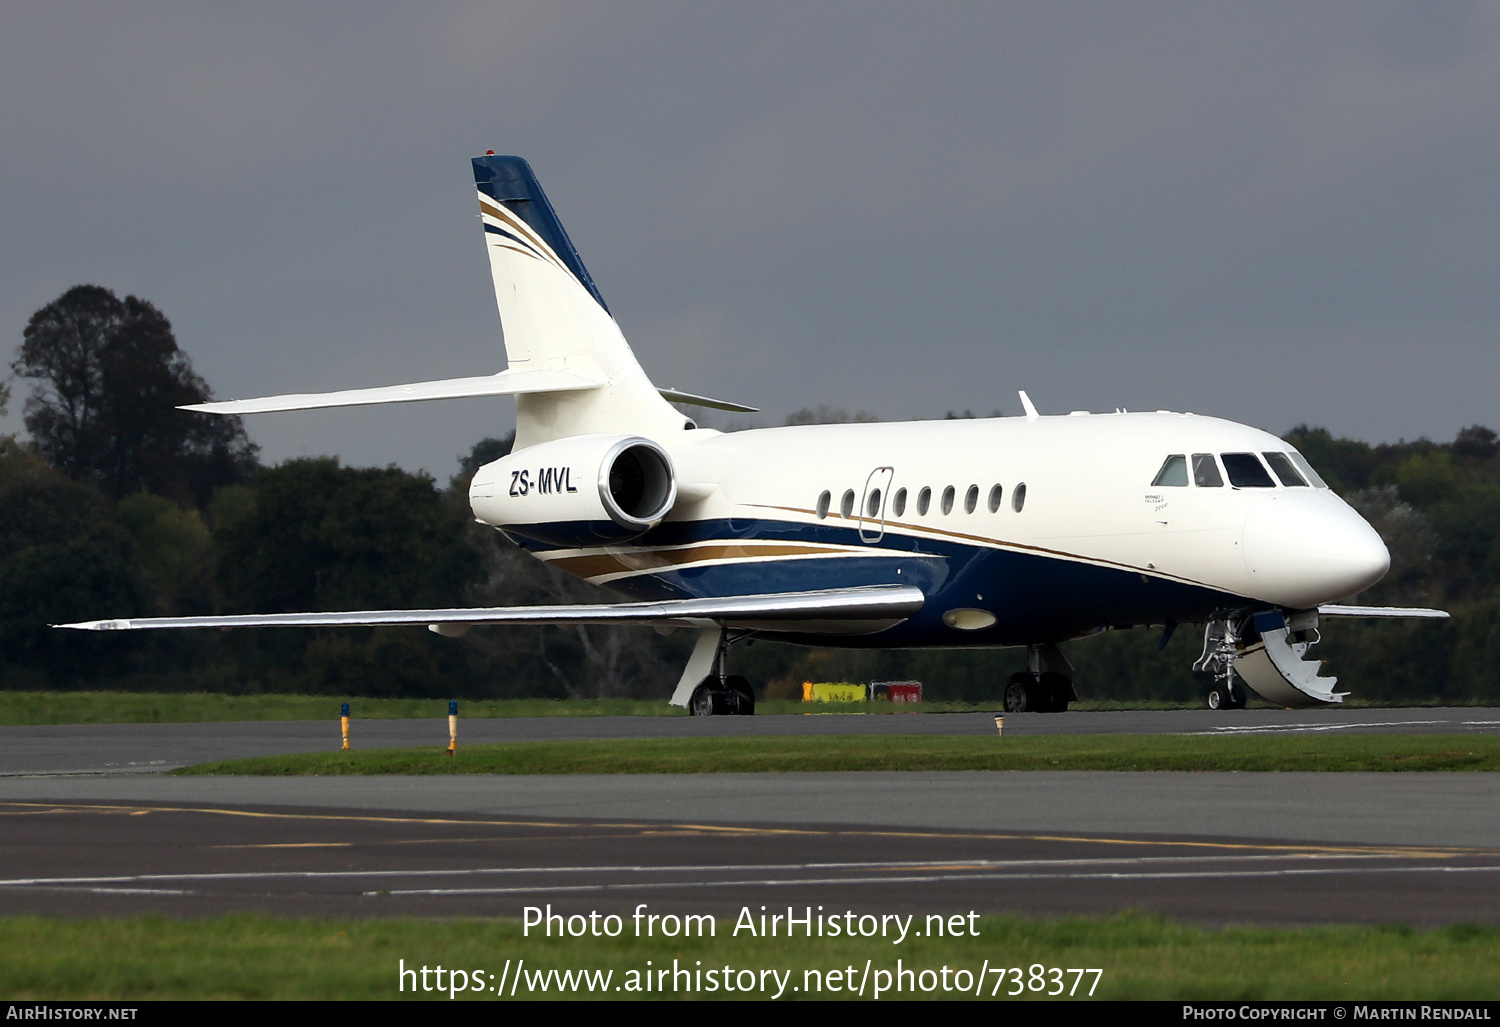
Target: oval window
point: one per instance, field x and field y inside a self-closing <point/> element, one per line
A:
<point x="996" y="494"/>
<point x="948" y="494"/>
<point x="823" y="501"/>
<point x="971" y="499"/>
<point x="1018" y="497"/>
<point x="924" y="500"/>
<point x="898" y="501"/>
<point x="872" y="504"/>
<point x="846" y="507"/>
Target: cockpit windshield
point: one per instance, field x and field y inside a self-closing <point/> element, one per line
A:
<point x="1282" y="465"/>
<point x="1206" y="472"/>
<point x="1307" y="470"/>
<point x="1247" y="472"/>
<point x="1173" y="472"/>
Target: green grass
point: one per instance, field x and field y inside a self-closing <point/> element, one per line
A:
<point x="19" y="708"/>
<point x="22" y="708"/>
<point x="256" y="957"/>
<point x="901" y="752"/>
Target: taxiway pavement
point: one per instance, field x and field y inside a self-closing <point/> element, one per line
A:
<point x="187" y="861"/>
<point x="89" y="824"/>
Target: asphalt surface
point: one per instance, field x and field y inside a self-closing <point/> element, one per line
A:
<point x="137" y="748"/>
<point x="88" y="826"/>
<point x="202" y="861"/>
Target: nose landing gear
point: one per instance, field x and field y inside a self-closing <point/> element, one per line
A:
<point x="1268" y="652"/>
<point x="1223" y="695"/>
<point x="1221" y="643"/>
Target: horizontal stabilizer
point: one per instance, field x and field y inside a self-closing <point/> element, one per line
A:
<point x="1381" y="611"/>
<point x="506" y="383"/>
<point x="872" y="608"/>
<point x="691" y="400"/>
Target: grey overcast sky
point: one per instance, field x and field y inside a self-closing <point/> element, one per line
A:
<point x="1272" y="212"/>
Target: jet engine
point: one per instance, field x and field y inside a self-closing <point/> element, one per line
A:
<point x="587" y="490"/>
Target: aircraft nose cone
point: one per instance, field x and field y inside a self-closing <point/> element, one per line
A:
<point x="1306" y="550"/>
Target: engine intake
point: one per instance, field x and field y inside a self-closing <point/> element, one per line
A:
<point x="588" y="490"/>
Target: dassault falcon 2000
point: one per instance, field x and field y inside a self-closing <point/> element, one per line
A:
<point x="1017" y="531"/>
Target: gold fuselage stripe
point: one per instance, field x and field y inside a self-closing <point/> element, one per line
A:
<point x="594" y="565"/>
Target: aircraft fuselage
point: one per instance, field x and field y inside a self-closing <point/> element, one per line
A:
<point x="1017" y="530"/>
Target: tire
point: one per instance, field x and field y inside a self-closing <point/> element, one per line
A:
<point x="1020" y="694"/>
<point x="740" y="695"/>
<point x="1218" y="698"/>
<point x="705" y="702"/>
<point x="1057" y="692"/>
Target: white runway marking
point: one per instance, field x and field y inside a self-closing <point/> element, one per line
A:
<point x="936" y="878"/>
<point x="1263" y="729"/>
<point x="964" y="866"/>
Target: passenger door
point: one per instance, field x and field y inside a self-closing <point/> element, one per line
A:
<point x="872" y="504"/>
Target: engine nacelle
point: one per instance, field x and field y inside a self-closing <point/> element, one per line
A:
<point x="588" y="490"/>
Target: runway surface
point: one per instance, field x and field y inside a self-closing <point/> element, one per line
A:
<point x="88" y="825"/>
<point x="136" y="748"/>
<point x="200" y="861"/>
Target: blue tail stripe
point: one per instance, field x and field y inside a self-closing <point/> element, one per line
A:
<point x="510" y="181"/>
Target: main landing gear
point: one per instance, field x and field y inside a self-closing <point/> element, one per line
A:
<point x="1040" y="690"/>
<point x="722" y="694"/>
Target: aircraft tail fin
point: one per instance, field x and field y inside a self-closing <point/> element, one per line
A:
<point x="555" y="318"/>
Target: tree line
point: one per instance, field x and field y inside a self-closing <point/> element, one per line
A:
<point x="121" y="505"/>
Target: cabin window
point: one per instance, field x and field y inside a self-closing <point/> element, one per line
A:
<point x="1018" y="497"/>
<point x="846" y="507"/>
<point x="948" y="494"/>
<point x="1206" y="471"/>
<point x="823" y="501"/>
<point x="872" y="504"/>
<point x="1307" y="470"/>
<point x="996" y="494"/>
<point x="1281" y="464"/>
<point x="1173" y="473"/>
<point x="924" y="500"/>
<point x="971" y="499"/>
<point x="1247" y="472"/>
<point x="898" y="501"/>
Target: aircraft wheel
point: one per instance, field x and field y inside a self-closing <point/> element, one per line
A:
<point x="707" y="700"/>
<point x="740" y="695"/>
<point x="1218" y="698"/>
<point x="1020" y="694"/>
<point x="1057" y="692"/>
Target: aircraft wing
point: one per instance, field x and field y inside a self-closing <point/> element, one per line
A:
<point x="1381" y="611"/>
<point x="864" y="609"/>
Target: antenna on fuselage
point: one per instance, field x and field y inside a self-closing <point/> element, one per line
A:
<point x="1029" y="406"/>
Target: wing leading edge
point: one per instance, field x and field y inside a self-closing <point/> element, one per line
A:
<point x="854" y="610"/>
<point x="1383" y="611"/>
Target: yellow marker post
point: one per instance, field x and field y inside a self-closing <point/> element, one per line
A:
<point x="344" y="721"/>
<point x="452" y="725"/>
<point x="1000" y="726"/>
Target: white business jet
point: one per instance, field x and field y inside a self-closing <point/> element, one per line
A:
<point x="1017" y="531"/>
